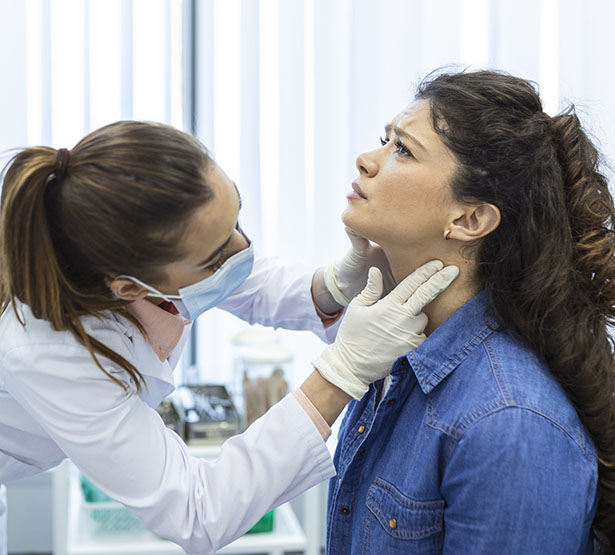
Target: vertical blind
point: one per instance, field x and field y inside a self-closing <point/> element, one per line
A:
<point x="285" y="93"/>
<point x="92" y="62"/>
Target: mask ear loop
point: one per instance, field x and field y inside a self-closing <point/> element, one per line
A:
<point x="153" y="290"/>
<point x="160" y="294"/>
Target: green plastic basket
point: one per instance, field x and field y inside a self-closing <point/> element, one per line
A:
<point x="111" y="517"/>
<point x="265" y="524"/>
<point x="106" y="515"/>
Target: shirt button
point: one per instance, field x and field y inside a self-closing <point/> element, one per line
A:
<point x="361" y="452"/>
<point x="391" y="402"/>
<point x="345" y="510"/>
<point x="361" y="429"/>
<point x="393" y="523"/>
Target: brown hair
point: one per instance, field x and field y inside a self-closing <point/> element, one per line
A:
<point x="118" y="206"/>
<point x="548" y="269"/>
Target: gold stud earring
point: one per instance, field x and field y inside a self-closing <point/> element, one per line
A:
<point x="446" y="234"/>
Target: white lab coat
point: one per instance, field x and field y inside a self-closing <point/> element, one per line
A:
<point x="56" y="403"/>
<point x="3" y="546"/>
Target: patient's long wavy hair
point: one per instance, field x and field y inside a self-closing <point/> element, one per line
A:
<point x="119" y="206"/>
<point x="548" y="269"/>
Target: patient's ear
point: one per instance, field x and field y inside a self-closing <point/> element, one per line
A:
<point x="475" y="222"/>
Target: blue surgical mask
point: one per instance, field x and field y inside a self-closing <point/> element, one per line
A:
<point x="195" y="299"/>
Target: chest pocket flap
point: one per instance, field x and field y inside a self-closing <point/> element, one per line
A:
<point x="402" y="517"/>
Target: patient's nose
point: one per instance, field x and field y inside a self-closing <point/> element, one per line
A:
<point x="367" y="165"/>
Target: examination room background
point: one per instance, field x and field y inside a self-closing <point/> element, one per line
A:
<point x="285" y="93"/>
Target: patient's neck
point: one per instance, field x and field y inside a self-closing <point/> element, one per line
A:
<point x="457" y="294"/>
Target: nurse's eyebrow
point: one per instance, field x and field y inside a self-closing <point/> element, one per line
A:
<point x="218" y="252"/>
<point x="403" y="134"/>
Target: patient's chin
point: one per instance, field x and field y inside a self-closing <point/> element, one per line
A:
<point x="353" y="221"/>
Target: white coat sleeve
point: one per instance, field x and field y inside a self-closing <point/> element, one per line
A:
<point x="278" y="293"/>
<point x="123" y="447"/>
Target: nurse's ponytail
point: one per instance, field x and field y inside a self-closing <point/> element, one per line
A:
<point x="115" y="204"/>
<point x="31" y="271"/>
<point x="25" y="224"/>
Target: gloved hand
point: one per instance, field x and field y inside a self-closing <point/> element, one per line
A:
<point x="346" y="277"/>
<point x="375" y="332"/>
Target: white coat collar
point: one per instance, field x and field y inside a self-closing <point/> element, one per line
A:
<point x="158" y="374"/>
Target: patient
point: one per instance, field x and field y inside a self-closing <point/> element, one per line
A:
<point x="496" y="435"/>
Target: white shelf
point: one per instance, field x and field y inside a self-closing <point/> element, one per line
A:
<point x="76" y="535"/>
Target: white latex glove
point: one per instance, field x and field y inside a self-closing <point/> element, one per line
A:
<point x="376" y="332"/>
<point x="345" y="278"/>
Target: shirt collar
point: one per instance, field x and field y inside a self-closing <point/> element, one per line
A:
<point x="451" y="343"/>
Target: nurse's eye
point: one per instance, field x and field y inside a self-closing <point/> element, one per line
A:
<point x="215" y="267"/>
<point x="383" y="141"/>
<point x="218" y="263"/>
<point x="403" y="149"/>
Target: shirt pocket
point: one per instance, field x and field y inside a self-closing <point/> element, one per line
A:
<point x="396" y="523"/>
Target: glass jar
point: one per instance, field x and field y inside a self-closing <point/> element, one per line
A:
<point x="261" y="371"/>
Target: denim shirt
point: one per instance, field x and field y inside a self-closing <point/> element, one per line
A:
<point x="474" y="448"/>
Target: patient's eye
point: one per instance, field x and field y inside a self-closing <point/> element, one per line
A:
<point x="402" y="149"/>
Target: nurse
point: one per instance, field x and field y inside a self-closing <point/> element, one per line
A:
<point x="108" y="253"/>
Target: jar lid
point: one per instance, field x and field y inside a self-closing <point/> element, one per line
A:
<point x="255" y="336"/>
<point x="265" y="354"/>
